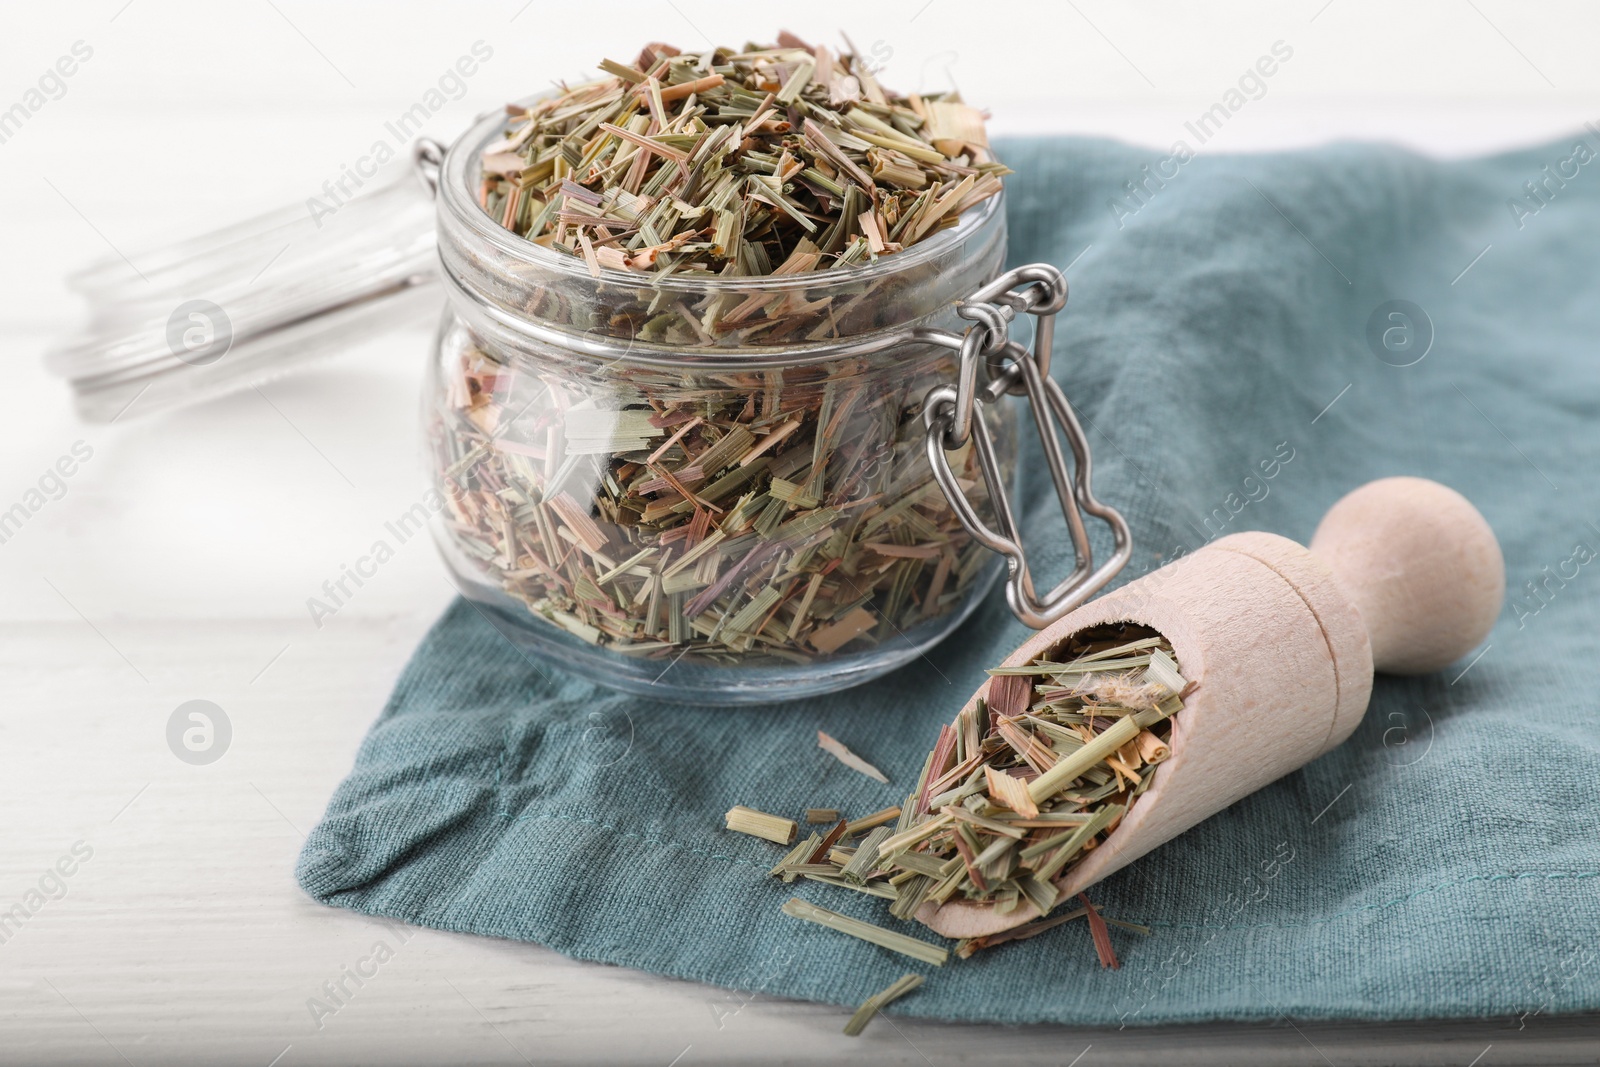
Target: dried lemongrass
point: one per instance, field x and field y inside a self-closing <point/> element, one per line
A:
<point x="870" y="822"/>
<point x="968" y="946"/>
<point x="838" y="751"/>
<point x="770" y="517"/>
<point x="865" y="857"/>
<point x="1102" y="936"/>
<point x="1010" y="792"/>
<point x="1152" y="749"/>
<point x="871" y="889"/>
<point x="1016" y="792"/>
<point x="836" y="635"/>
<point x="794" y="857"/>
<point x="1162" y="671"/>
<point x="1072" y="766"/>
<point x="827" y="816"/>
<point x="979" y="826"/>
<point x="781" y="158"/>
<point x="875" y="1003"/>
<point x="911" y="836"/>
<point x="877" y="935"/>
<point x="825" y="846"/>
<point x="774" y="828"/>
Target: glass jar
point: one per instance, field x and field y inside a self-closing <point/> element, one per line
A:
<point x="717" y="489"/>
<point x="704" y="488"/>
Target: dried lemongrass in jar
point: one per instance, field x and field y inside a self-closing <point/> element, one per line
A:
<point x="675" y="411"/>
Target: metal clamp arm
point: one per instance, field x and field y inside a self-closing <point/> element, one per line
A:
<point x="953" y="413"/>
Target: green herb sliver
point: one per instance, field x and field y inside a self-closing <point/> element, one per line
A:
<point x="877" y="935"/>
<point x="875" y="1003"/>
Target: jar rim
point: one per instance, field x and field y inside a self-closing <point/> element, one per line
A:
<point x="456" y="180"/>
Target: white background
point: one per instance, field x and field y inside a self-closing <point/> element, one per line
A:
<point x="178" y="564"/>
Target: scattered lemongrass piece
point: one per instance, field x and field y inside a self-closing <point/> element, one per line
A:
<point x="907" y="838"/>
<point x="866" y="856"/>
<point x="875" y="1003"/>
<point x="895" y="942"/>
<point x="828" y="841"/>
<point x="793" y="856"/>
<point x="873" y="821"/>
<point x="871" y="889"/>
<point x="838" y="751"/>
<point x="1101" y="936"/>
<point x="775" y="828"/>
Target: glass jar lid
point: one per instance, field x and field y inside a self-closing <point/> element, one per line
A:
<point x="239" y="306"/>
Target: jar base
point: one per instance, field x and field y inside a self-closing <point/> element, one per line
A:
<point x="693" y="681"/>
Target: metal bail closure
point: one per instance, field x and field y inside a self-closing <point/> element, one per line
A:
<point x="953" y="414"/>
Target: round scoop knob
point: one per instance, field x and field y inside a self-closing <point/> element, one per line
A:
<point x="1421" y="566"/>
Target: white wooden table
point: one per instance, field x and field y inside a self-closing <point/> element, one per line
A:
<point x="176" y="562"/>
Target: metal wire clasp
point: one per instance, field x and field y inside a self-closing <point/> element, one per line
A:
<point x="953" y="414"/>
<point x="427" y="159"/>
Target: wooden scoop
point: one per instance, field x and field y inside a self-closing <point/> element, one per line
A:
<point x="1403" y="575"/>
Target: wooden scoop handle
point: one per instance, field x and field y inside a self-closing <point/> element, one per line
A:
<point x="1421" y="566"/>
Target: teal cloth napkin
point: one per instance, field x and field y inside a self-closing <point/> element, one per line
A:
<point x="1229" y="310"/>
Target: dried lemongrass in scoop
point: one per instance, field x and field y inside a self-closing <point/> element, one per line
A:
<point x="1018" y="789"/>
<point x="1021" y="787"/>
